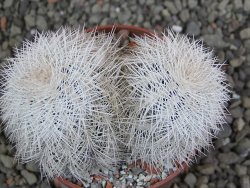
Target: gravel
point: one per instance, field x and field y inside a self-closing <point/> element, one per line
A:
<point x="240" y="170"/>
<point x="215" y="40"/>
<point x="184" y="15"/>
<point x="207" y="169"/>
<point x="237" y="112"/>
<point x="29" y="177"/>
<point x="238" y="124"/>
<point x="225" y="132"/>
<point x="202" y="180"/>
<point x="228" y="158"/>
<point x="41" y="23"/>
<point x="247" y="5"/>
<point x="7" y="161"/>
<point x="171" y="7"/>
<point x="236" y="62"/>
<point x="243" y="147"/>
<point x="192" y="3"/>
<point x="30" y="20"/>
<point x="7" y="3"/>
<point x="245" y="33"/>
<point x="15" y="30"/>
<point x="32" y="167"/>
<point x="246" y="102"/>
<point x="190" y="180"/>
<point x="193" y="28"/>
<point x="245" y="182"/>
<point x="177" y="28"/>
<point x="223" y="25"/>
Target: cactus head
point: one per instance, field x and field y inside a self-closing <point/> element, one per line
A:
<point x="174" y="99"/>
<point x="56" y="102"/>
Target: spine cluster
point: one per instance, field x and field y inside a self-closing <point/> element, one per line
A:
<point x="71" y="101"/>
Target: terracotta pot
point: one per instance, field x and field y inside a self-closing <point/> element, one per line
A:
<point x="132" y="30"/>
<point x="165" y="183"/>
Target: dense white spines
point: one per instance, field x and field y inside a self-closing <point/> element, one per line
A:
<point x="57" y="104"/>
<point x="174" y="99"/>
<point x="71" y="101"/>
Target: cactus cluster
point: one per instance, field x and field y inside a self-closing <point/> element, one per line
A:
<point x="70" y="101"/>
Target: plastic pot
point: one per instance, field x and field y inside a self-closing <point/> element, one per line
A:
<point x="131" y="32"/>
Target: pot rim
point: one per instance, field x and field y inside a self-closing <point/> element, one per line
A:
<point x="133" y="30"/>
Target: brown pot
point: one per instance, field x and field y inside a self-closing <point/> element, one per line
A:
<point x="131" y="31"/>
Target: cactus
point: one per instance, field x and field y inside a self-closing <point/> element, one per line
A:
<point x="72" y="101"/>
<point x="57" y="102"/>
<point x="174" y="96"/>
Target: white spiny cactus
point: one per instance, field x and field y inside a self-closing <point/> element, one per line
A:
<point x="69" y="99"/>
<point x="174" y="97"/>
<point x="57" y="102"/>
